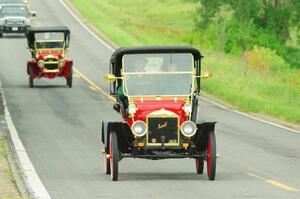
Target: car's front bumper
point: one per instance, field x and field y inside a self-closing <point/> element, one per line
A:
<point x="13" y="29"/>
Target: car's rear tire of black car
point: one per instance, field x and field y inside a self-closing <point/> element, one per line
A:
<point x="30" y="77"/>
<point x="211" y="158"/>
<point x="114" y="156"/>
<point x="106" y="164"/>
<point x="199" y="165"/>
<point x="1" y="35"/>
<point x="70" y="78"/>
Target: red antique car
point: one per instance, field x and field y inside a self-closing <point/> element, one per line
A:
<point x="156" y="90"/>
<point x="48" y="47"/>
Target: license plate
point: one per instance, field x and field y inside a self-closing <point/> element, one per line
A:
<point x="15" y="29"/>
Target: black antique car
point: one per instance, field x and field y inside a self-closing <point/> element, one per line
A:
<point x="156" y="91"/>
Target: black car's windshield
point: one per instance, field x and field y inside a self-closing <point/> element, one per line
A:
<point x="14" y="11"/>
<point x="48" y="40"/>
<point x="158" y="74"/>
<point x="49" y="44"/>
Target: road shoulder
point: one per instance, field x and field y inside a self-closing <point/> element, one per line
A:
<point x="9" y="182"/>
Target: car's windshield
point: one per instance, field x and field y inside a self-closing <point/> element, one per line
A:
<point x="48" y="40"/>
<point x="11" y="1"/>
<point x="14" y="11"/>
<point x="168" y="74"/>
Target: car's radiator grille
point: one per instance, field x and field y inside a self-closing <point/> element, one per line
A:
<point x="162" y="130"/>
<point x="14" y="22"/>
<point x="51" y="66"/>
<point x="50" y="59"/>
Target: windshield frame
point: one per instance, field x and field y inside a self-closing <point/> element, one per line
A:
<point x="49" y="41"/>
<point x="192" y="73"/>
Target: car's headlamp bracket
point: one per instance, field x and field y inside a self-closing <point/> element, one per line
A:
<point x="132" y="108"/>
<point x="187" y="108"/>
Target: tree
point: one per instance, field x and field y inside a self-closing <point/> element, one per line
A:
<point x="272" y="16"/>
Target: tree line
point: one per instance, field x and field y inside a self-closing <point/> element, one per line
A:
<point x="239" y="25"/>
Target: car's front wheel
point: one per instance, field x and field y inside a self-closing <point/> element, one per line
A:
<point x="30" y="76"/>
<point x="211" y="157"/>
<point x="114" y="156"/>
<point x="199" y="165"/>
<point x="70" y="78"/>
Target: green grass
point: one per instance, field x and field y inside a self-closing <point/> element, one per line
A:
<point x="8" y="188"/>
<point x="171" y="22"/>
<point x="3" y="151"/>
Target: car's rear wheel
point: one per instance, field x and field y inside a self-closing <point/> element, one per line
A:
<point x="70" y="78"/>
<point x="1" y="35"/>
<point x="199" y="165"/>
<point x="114" y="156"/>
<point x="30" y="76"/>
<point x="106" y="164"/>
<point x="211" y="157"/>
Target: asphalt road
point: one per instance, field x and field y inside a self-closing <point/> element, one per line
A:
<point x="60" y="129"/>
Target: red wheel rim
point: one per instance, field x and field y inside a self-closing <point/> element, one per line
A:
<point x="111" y="155"/>
<point x="105" y="162"/>
<point x="197" y="163"/>
<point x="208" y="159"/>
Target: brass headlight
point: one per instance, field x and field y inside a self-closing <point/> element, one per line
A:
<point x="41" y="63"/>
<point x="61" y="63"/>
<point x="139" y="128"/>
<point x="188" y="128"/>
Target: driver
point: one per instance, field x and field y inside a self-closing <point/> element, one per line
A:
<point x="139" y="65"/>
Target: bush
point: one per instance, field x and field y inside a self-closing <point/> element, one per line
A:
<point x="265" y="60"/>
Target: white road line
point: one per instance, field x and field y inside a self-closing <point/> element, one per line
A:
<point x="31" y="178"/>
<point x="215" y="103"/>
<point x="86" y="27"/>
<point x="250" y="116"/>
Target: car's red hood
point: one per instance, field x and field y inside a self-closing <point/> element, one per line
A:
<point x="146" y="107"/>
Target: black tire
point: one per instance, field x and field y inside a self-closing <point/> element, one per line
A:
<point x="106" y="164"/>
<point x="114" y="156"/>
<point x="70" y="78"/>
<point x="30" y="77"/>
<point x="211" y="157"/>
<point x="199" y="165"/>
<point x="1" y="35"/>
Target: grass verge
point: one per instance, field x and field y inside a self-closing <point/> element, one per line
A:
<point x="8" y="189"/>
<point x="171" y="22"/>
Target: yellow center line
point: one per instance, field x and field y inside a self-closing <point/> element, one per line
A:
<point x="76" y="75"/>
<point x="95" y="86"/>
<point x="274" y="183"/>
